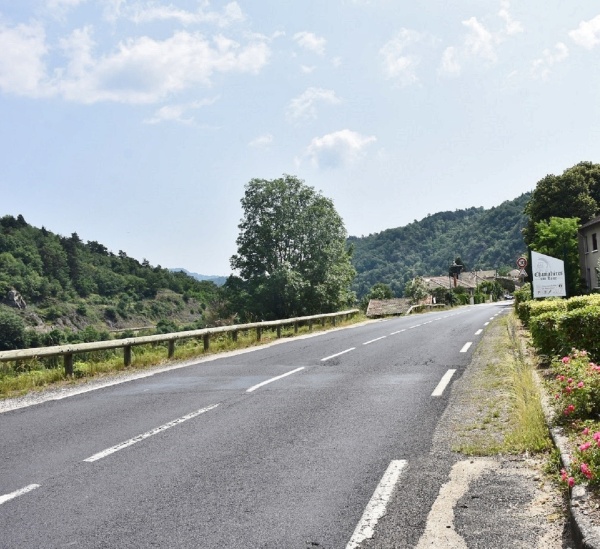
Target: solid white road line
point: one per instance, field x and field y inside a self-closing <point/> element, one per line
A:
<point x="338" y="354"/>
<point x="466" y="347"/>
<point x="478" y="332"/>
<point x="398" y="332"/>
<point x="374" y="340"/>
<point x="17" y="493"/>
<point x="439" y="390"/>
<point x="254" y="387"/>
<point x="485" y="323"/>
<point x="377" y="505"/>
<point x="138" y="438"/>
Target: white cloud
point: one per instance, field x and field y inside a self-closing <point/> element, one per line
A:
<point x="587" y="35"/>
<point x="151" y="11"/>
<point x="512" y="26"/>
<point x="307" y="69"/>
<point x="262" y="141"/>
<point x="304" y="106"/>
<point x="140" y="70"/>
<point x="541" y="67"/>
<point x="22" y="68"/>
<point x="311" y="42"/>
<point x="398" y="64"/>
<point x="338" y="148"/>
<point x="175" y="113"/>
<point x="450" y="62"/>
<point x="479" y="42"/>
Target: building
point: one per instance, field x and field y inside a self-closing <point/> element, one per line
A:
<point x="589" y="233"/>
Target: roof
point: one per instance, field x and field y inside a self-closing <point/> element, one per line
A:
<point x="591" y="222"/>
<point x="384" y="307"/>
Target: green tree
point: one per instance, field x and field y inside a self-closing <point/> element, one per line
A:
<point x="575" y="193"/>
<point x="292" y="254"/>
<point x="557" y="237"/>
<point x="13" y="334"/>
<point x="415" y="290"/>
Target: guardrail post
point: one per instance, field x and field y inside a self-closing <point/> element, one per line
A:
<point x="334" y="320"/>
<point x="206" y="340"/>
<point x="323" y="322"/>
<point x="310" y="324"/>
<point x="278" y="332"/>
<point x="295" y="327"/>
<point x="258" y="333"/>
<point x="234" y="335"/>
<point x="171" y="348"/>
<point x="127" y="355"/>
<point x="68" y="362"/>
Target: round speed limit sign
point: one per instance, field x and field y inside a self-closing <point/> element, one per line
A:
<point x="521" y="262"/>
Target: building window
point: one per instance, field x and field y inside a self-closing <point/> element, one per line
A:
<point x="594" y="243"/>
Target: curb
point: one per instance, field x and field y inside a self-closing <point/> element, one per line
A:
<point x="585" y="534"/>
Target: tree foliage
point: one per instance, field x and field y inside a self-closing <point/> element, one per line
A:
<point x="416" y="290"/>
<point x="292" y="257"/>
<point x="575" y="193"/>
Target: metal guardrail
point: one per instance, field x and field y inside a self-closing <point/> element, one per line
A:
<point x="418" y="308"/>
<point x="67" y="351"/>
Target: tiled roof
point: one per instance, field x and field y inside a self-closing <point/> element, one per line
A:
<point x="384" y="307"/>
<point x="591" y="222"/>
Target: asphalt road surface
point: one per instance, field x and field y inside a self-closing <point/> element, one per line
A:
<point x="300" y="444"/>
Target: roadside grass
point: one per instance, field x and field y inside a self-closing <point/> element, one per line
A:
<point x="506" y="411"/>
<point x="18" y="378"/>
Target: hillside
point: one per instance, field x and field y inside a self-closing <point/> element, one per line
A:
<point x="483" y="239"/>
<point x="65" y="285"/>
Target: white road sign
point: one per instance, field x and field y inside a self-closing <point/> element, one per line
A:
<point x="548" y="276"/>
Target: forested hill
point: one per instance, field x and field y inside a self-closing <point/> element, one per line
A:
<point x="483" y="239"/>
<point x="68" y="283"/>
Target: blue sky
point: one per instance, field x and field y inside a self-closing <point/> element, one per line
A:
<point x="138" y="123"/>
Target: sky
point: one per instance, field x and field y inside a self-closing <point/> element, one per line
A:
<point x="137" y="123"/>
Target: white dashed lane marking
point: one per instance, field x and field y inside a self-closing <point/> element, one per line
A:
<point x="441" y="386"/>
<point x="466" y="347"/>
<point x="338" y="354"/>
<point x="17" y="493"/>
<point x="374" y="340"/>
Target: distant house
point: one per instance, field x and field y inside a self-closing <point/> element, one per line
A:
<point x="467" y="279"/>
<point x="589" y="233"/>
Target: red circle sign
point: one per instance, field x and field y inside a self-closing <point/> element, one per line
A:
<point x="522" y="262"/>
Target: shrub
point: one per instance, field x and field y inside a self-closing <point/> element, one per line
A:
<point x="545" y="333"/>
<point x="579" y="327"/>
<point x="582" y="301"/>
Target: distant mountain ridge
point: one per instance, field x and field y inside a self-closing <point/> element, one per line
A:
<point x="217" y="279"/>
<point x="483" y="238"/>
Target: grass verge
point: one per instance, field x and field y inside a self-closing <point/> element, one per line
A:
<point x="506" y="415"/>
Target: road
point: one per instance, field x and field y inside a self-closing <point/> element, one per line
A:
<point x="295" y="445"/>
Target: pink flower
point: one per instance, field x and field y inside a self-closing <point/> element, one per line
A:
<point x="560" y="378"/>
<point x="556" y="397"/>
<point x="569" y="409"/>
<point x="580" y="385"/>
<point x="585" y="446"/>
<point x="570" y="380"/>
<point x="586" y="471"/>
<point x="586" y="431"/>
<point x="566" y="360"/>
<point x="568" y="389"/>
<point x="571" y="482"/>
<point x="563" y="474"/>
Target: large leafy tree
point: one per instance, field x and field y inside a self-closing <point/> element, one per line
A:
<point x="292" y="257"/>
<point x="574" y="193"/>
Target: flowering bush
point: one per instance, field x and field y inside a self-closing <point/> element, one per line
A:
<point x="585" y="466"/>
<point x="576" y="386"/>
